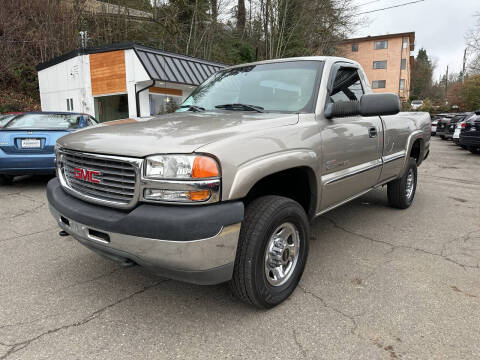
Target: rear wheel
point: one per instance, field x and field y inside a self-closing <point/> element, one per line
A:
<point x="442" y="137"/>
<point x="6" y="179"/>
<point x="272" y="251"/>
<point x="401" y="191"/>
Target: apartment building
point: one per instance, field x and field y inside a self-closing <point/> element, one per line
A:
<point x="386" y="59"/>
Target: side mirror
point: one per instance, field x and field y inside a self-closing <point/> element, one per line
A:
<point x="342" y="109"/>
<point x="369" y="105"/>
<point x="379" y="104"/>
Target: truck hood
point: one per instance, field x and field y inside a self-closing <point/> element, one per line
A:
<point x="182" y="132"/>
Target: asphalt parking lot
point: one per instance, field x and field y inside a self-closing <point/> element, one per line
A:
<point x="380" y="283"/>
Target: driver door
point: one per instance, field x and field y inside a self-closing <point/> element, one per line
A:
<point x="351" y="146"/>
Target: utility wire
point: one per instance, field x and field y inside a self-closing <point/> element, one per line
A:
<point x="369" y="2"/>
<point x="390" y="7"/>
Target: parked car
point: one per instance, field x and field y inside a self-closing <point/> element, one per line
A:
<point x="435" y="121"/>
<point x="225" y="190"/>
<point x="27" y="141"/>
<point x="459" y="126"/>
<point x="5" y="118"/>
<point x="453" y="124"/>
<point x="444" y="129"/>
<point x="470" y="134"/>
<point x="415" y="104"/>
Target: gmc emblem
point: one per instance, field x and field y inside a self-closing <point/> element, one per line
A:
<point x="87" y="175"/>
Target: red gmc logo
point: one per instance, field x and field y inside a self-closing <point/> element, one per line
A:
<point x="87" y="175"/>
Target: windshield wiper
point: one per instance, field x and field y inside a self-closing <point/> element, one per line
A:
<point x="193" y="107"/>
<point x="242" y="106"/>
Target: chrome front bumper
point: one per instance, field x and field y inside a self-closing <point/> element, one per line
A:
<point x="204" y="261"/>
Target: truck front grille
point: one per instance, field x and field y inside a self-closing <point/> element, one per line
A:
<point x="104" y="179"/>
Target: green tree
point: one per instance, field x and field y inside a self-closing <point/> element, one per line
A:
<point x="470" y="93"/>
<point x="241" y="16"/>
<point x="427" y="106"/>
<point x="422" y="73"/>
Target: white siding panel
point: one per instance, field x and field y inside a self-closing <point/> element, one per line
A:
<point x="67" y="80"/>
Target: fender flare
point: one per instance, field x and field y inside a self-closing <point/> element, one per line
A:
<point x="416" y="135"/>
<point x="249" y="173"/>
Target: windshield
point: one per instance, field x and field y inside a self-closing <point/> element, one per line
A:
<point x="45" y="121"/>
<point x="277" y="87"/>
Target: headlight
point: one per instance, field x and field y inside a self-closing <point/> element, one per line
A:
<point x="181" y="179"/>
<point x="181" y="167"/>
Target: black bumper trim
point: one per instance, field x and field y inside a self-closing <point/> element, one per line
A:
<point x="469" y="140"/>
<point x="176" y="223"/>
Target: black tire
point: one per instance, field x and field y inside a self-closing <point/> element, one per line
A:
<point x="474" y="149"/>
<point x="397" y="189"/>
<point x="463" y="147"/>
<point x="442" y="137"/>
<point x="262" y="217"/>
<point x="6" y="179"/>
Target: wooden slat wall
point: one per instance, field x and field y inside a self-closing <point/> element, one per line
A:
<point x="166" y="91"/>
<point x="107" y="71"/>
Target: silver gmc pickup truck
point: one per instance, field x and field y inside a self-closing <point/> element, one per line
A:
<point x="225" y="188"/>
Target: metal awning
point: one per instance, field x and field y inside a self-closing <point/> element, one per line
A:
<point x="160" y="65"/>
<point x="170" y="67"/>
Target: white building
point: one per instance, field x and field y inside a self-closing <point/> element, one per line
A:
<point x="120" y="81"/>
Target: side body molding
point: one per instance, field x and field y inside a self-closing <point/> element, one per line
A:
<point x="254" y="170"/>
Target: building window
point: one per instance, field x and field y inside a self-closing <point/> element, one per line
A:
<point x="405" y="42"/>
<point x="403" y="66"/>
<point x="402" y="84"/>
<point x="164" y="104"/>
<point x="70" y="104"/>
<point x="383" y="44"/>
<point x="354" y="47"/>
<point x="380" y="64"/>
<point x="379" y="84"/>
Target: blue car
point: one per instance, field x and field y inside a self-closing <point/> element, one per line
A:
<point x="27" y="141"/>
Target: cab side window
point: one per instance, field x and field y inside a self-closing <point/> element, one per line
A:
<point x="347" y="86"/>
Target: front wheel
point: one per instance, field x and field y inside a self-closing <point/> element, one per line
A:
<point x="401" y="191"/>
<point x="272" y="251"/>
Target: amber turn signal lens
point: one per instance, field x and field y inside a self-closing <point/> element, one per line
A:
<point x="200" y="195"/>
<point x="204" y="167"/>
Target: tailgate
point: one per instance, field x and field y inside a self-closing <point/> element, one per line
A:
<point x="16" y="142"/>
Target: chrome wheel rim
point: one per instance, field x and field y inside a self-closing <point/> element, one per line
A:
<point x="410" y="184"/>
<point x="281" y="254"/>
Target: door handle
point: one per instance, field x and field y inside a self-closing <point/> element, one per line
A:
<point x="372" y="132"/>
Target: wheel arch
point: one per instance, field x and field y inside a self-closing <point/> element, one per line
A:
<point x="295" y="171"/>
<point x="415" y="148"/>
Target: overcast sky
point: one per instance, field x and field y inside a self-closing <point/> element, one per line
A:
<point x="440" y="26"/>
